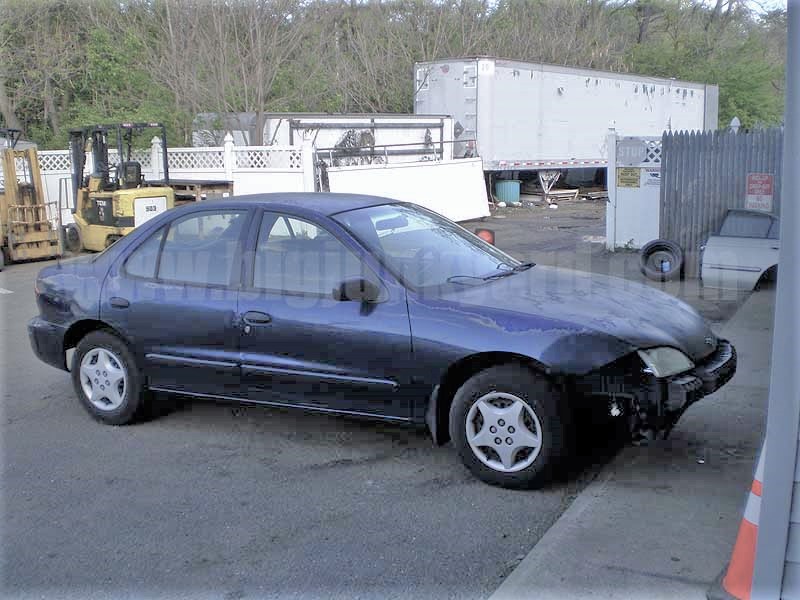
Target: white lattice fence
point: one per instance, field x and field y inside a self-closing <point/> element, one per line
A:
<point x="200" y="159"/>
<point x="54" y="160"/>
<point x="653" y="155"/>
<point x="143" y="157"/>
<point x="267" y="157"/>
<point x="253" y="169"/>
<point x="59" y="160"/>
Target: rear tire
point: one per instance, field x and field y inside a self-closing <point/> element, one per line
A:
<point x="510" y="427"/>
<point x="107" y="379"/>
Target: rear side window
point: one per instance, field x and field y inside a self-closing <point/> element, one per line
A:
<point x="203" y="249"/>
<point x="144" y="260"/>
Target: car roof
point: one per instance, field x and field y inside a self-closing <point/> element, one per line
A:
<point x="324" y="203"/>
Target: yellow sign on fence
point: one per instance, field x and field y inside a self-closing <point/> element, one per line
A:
<point x="628" y="177"/>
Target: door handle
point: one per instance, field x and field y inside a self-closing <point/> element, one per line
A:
<point x="117" y="302"/>
<point x="254" y="317"/>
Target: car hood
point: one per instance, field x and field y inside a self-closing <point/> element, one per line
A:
<point x="634" y="313"/>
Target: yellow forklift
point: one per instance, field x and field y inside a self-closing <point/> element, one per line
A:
<point x="112" y="199"/>
<point x="29" y="227"/>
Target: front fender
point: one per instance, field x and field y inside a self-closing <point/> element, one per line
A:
<point x="581" y="352"/>
<point x="444" y="334"/>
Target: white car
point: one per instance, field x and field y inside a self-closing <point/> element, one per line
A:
<point x="743" y="253"/>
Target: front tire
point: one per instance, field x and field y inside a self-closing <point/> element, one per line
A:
<point x="510" y="426"/>
<point x="107" y="380"/>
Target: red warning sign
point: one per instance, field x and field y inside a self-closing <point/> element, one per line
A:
<point x="759" y="191"/>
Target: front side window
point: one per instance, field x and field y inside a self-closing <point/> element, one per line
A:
<point x="743" y="224"/>
<point x="299" y="257"/>
<point x="774" y="230"/>
<point x="423" y="248"/>
<point x="203" y="248"/>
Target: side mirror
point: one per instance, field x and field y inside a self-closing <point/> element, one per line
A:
<point x="356" y="289"/>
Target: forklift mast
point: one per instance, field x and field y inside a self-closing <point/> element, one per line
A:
<point x="10" y="137"/>
<point x="77" y="150"/>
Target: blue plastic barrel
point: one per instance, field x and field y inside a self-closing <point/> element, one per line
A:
<point x="507" y="190"/>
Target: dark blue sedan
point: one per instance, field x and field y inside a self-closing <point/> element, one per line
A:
<point x="365" y="306"/>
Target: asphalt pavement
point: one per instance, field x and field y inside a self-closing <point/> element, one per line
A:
<point x="224" y="502"/>
<point x="229" y="502"/>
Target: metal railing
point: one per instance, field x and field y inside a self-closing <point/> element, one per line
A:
<point x="325" y="158"/>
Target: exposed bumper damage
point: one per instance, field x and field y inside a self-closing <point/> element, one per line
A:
<point x="652" y="405"/>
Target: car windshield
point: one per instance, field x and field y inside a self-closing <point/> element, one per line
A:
<point x="424" y="249"/>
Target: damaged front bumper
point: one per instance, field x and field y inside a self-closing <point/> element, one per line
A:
<point x="654" y="404"/>
<point x="707" y="377"/>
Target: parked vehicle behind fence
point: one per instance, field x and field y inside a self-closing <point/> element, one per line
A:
<point x="743" y="253"/>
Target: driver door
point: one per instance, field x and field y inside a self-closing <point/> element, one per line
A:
<point x="301" y="346"/>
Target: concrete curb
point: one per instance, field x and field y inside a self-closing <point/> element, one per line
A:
<point x="551" y="541"/>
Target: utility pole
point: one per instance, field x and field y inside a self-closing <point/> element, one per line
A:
<point x="783" y="415"/>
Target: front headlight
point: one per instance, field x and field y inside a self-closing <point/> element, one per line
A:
<point x="665" y="362"/>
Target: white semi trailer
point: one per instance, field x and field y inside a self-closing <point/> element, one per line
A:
<point x="529" y="116"/>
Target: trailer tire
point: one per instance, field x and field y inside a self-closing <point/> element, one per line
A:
<point x="655" y="254"/>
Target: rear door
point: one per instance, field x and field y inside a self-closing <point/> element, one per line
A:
<point x="174" y="296"/>
<point x="299" y="345"/>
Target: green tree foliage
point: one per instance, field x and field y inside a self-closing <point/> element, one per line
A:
<point x="114" y="86"/>
<point x="67" y="63"/>
<point x="730" y="50"/>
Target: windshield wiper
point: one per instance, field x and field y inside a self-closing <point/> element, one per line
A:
<point x="520" y="267"/>
<point x="523" y="266"/>
<point x="504" y="273"/>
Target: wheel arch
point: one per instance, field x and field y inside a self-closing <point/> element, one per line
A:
<point x="437" y="415"/>
<point x="80" y="329"/>
<point x="768" y="274"/>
